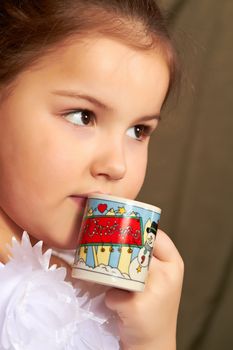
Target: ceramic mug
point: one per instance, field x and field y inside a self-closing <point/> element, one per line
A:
<point x="115" y="243"/>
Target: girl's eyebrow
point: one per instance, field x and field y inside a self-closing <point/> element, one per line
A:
<point x="150" y="117"/>
<point x="78" y="95"/>
<point x="98" y="103"/>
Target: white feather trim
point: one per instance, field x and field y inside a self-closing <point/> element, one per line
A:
<point x="40" y="310"/>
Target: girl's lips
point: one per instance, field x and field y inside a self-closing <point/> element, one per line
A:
<point x="80" y="200"/>
<point x="85" y="195"/>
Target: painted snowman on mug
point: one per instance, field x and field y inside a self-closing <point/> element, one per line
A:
<point x="139" y="266"/>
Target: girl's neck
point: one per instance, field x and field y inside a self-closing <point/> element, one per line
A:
<point x="8" y="229"/>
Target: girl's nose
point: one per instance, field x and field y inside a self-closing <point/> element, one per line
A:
<point x="109" y="161"/>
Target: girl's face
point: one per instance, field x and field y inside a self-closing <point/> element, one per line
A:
<point x="76" y="123"/>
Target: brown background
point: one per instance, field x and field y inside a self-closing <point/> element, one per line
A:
<point x="190" y="174"/>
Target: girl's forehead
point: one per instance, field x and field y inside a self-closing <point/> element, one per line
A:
<point x="103" y="68"/>
<point x="85" y="50"/>
<point x="96" y="58"/>
<point x="107" y="61"/>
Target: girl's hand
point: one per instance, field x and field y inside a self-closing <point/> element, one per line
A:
<point x="147" y="321"/>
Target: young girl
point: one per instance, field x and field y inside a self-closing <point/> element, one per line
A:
<point x="82" y="84"/>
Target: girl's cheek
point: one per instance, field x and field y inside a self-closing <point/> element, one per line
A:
<point x="137" y="170"/>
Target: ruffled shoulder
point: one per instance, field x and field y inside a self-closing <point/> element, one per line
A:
<point x="40" y="310"/>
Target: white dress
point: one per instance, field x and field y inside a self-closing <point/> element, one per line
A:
<point x="39" y="310"/>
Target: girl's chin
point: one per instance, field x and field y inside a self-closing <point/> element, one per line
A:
<point x="68" y="245"/>
<point x="58" y="239"/>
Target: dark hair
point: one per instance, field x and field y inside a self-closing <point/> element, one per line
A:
<point x="30" y="28"/>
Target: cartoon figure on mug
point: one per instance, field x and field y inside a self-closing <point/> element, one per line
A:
<point x="139" y="265"/>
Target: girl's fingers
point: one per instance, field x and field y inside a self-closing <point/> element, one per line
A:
<point x="166" y="269"/>
<point x="167" y="266"/>
<point x="164" y="249"/>
<point x="117" y="299"/>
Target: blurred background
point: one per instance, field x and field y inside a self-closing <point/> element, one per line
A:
<point x="190" y="171"/>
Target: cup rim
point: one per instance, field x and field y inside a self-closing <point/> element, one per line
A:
<point x="126" y="201"/>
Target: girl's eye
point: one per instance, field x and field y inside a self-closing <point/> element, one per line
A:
<point x="80" y="117"/>
<point x="139" y="132"/>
